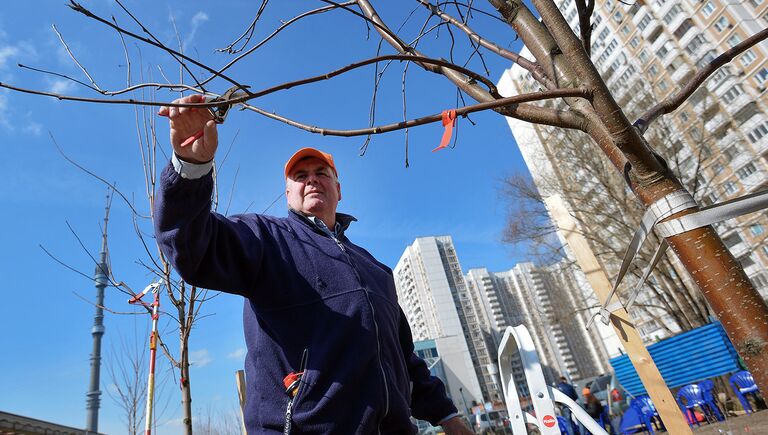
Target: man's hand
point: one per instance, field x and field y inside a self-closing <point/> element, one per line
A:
<point x="456" y="426"/>
<point x="186" y="122"/>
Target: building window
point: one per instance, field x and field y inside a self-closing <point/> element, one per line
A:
<point x="708" y="8"/>
<point x="661" y="52"/>
<point x="684" y="28"/>
<point x="758" y="132"/>
<point x="634" y="42"/>
<point x="761" y="76"/>
<point x="653" y="70"/>
<point x="746" y="261"/>
<point x="717" y="169"/>
<point x="729" y="187"/>
<point x="720" y="75"/>
<point x="746" y="171"/>
<point x="683" y="117"/>
<point x="695" y="43"/>
<point x="734" y="40"/>
<point x="617" y="17"/>
<point x="748" y="57"/>
<point x="604" y="34"/>
<point x="644" y="22"/>
<point x="663" y="86"/>
<point x="732" y="240"/>
<point x="643" y="56"/>
<point x="672" y="14"/>
<point x="722" y="23"/>
<point x="732" y="93"/>
<point x="755" y="3"/>
<point x="756" y="229"/>
<point x="625" y="30"/>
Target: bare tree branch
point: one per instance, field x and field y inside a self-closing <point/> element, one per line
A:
<point x="535" y="69"/>
<point x="509" y="106"/>
<point x="676" y="100"/>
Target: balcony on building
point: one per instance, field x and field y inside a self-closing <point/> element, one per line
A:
<point x="756" y="181"/>
<point x="651" y="30"/>
<point x="682" y="73"/>
<point x="740" y="103"/>
<point x="703" y="103"/>
<point x="717" y="123"/>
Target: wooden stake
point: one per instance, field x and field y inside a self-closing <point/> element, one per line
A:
<point x="630" y="339"/>
<point x="240" y="379"/>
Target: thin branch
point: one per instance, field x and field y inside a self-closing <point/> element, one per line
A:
<point x="534" y="68"/>
<point x="585" y="9"/>
<point x="181" y="57"/>
<point x="175" y="87"/>
<point x="131" y="313"/>
<point x="89" y="278"/>
<point x="77" y="165"/>
<point x="79" y="8"/>
<point x="274" y="33"/>
<point x="562" y="118"/>
<point x="248" y="34"/>
<point x="69" y="52"/>
<point x="283" y="86"/>
<point x="676" y="100"/>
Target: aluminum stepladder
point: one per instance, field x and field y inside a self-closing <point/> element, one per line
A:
<point x="517" y="341"/>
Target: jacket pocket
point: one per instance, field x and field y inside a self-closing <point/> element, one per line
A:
<point x="294" y="384"/>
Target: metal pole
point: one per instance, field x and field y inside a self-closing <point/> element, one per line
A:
<point x="155" y="307"/>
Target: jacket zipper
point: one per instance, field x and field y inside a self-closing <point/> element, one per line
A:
<point x="375" y="324"/>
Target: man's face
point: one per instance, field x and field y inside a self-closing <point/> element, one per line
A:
<point x="312" y="188"/>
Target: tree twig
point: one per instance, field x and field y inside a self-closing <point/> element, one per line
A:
<point x="676" y="100"/>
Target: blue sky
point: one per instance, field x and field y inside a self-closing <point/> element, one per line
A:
<point x="46" y="345"/>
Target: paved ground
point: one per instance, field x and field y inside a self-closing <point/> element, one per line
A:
<point x="755" y="423"/>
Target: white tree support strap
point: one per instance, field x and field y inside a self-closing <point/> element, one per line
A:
<point x="665" y="207"/>
<point x="668" y="205"/>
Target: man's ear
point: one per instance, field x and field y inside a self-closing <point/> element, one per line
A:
<point x="338" y="189"/>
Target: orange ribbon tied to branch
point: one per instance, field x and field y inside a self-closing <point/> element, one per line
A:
<point x="449" y="122"/>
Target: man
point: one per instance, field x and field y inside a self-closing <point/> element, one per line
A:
<point x="569" y="391"/>
<point x="329" y="350"/>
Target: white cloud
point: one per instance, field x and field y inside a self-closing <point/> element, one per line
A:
<point x="61" y="86"/>
<point x="200" y="358"/>
<point x="7" y="52"/>
<point x="199" y="18"/>
<point x="4" y="111"/>
<point x="238" y="354"/>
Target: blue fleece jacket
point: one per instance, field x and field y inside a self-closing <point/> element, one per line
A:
<point x="305" y="293"/>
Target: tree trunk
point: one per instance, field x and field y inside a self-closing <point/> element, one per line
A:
<point x="186" y="389"/>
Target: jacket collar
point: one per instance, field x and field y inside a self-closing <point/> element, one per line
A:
<point x="343" y="220"/>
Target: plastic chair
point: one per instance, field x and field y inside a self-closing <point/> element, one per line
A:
<point x="693" y="397"/>
<point x="707" y="390"/>
<point x="743" y="383"/>
<point x="646" y="411"/>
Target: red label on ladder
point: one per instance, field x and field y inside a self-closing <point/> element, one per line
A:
<point x="549" y="421"/>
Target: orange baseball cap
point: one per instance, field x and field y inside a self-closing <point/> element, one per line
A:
<point x="306" y="153"/>
<point x="585" y="391"/>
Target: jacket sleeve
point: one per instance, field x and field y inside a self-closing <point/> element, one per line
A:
<point x="206" y="249"/>
<point x="428" y="398"/>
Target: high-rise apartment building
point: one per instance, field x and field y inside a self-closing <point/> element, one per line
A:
<point x="548" y="302"/>
<point x="465" y="317"/>
<point x="434" y="297"/>
<point x="717" y="141"/>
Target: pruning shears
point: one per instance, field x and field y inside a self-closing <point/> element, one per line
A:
<point x="219" y="112"/>
<point x="153" y="287"/>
